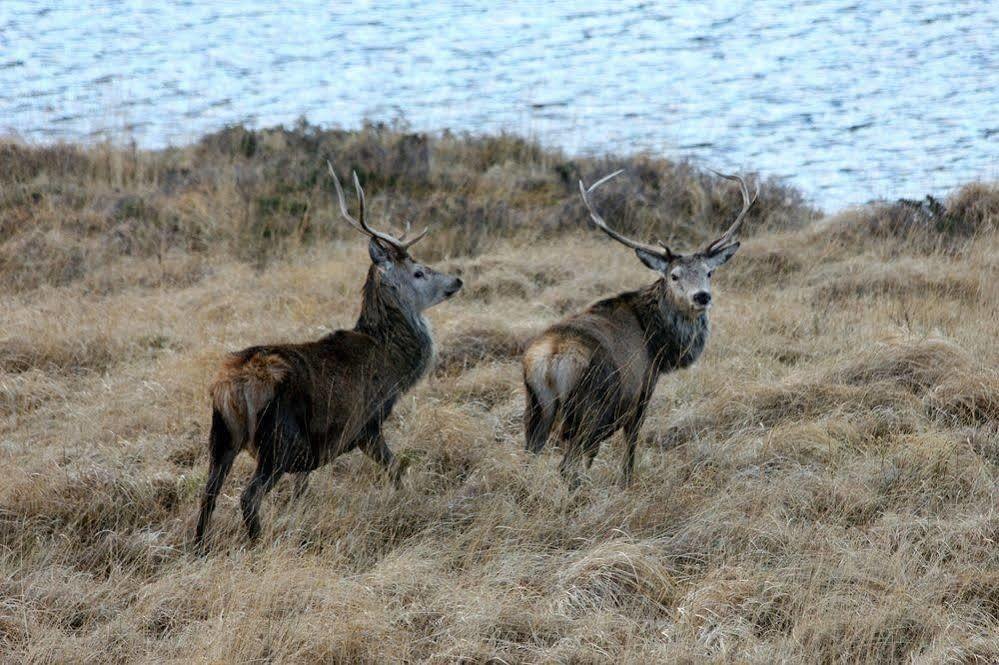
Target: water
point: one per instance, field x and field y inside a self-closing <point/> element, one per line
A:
<point x="847" y="100"/>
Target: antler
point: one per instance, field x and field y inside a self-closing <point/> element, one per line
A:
<point x="362" y="225"/>
<point x="662" y="250"/>
<point x="733" y="231"/>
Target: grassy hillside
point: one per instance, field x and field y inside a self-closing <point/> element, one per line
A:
<point x="823" y="485"/>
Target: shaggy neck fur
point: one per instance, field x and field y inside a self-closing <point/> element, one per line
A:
<point x="404" y="334"/>
<point x="674" y="335"/>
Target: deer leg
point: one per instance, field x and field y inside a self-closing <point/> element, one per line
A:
<point x="222" y="453"/>
<point x="587" y="446"/>
<point x="216" y="476"/>
<point x="569" y="467"/>
<point x="539" y="414"/>
<point x="262" y="482"/>
<point x="281" y="447"/>
<point x="577" y="441"/>
<point x="375" y="447"/>
<point x="628" y="465"/>
<point x="631" y="429"/>
<point x="585" y="428"/>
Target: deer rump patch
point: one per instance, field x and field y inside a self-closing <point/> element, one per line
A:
<point x="243" y="387"/>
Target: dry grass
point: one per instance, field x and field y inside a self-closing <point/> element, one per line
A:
<point x="821" y="487"/>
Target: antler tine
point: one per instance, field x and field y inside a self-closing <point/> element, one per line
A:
<point x="599" y="221"/>
<point x="360" y="216"/>
<point x="733" y="231"/>
<point x="409" y="243"/>
<point x="360" y="224"/>
<point x="343" y="201"/>
<point x="360" y="201"/>
<point x="415" y="239"/>
<point x="405" y="231"/>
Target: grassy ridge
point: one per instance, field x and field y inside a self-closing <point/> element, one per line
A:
<point x="821" y="486"/>
<point x="255" y="195"/>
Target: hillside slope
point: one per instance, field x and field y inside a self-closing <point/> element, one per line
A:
<point x="822" y="486"/>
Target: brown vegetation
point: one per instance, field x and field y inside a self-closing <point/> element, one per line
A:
<point x="821" y="486"/>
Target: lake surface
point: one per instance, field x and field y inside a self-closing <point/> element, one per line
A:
<point x="847" y="100"/>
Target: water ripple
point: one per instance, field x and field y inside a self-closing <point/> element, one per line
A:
<point x="850" y="101"/>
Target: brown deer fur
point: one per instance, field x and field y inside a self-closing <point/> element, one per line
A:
<point x="295" y="407"/>
<point x="595" y="372"/>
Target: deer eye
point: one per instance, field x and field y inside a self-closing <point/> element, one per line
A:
<point x="711" y="272"/>
<point x="675" y="277"/>
<point x="418" y="274"/>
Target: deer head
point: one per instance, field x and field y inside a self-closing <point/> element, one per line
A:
<point x="687" y="276"/>
<point x="414" y="284"/>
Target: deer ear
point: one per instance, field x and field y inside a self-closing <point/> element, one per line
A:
<point x="380" y="256"/>
<point x="652" y="261"/>
<point x="722" y="255"/>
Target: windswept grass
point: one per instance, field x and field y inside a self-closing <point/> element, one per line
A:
<point x="97" y="215"/>
<point x="821" y="487"/>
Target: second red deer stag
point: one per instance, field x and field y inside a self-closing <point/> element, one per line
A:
<point x="296" y="407"/>
<point x="594" y="372"/>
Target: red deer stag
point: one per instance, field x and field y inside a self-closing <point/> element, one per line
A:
<point x="594" y="372"/>
<point x="296" y="407"/>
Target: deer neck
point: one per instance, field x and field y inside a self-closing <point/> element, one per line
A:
<point x="403" y="334"/>
<point x="674" y="335"/>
